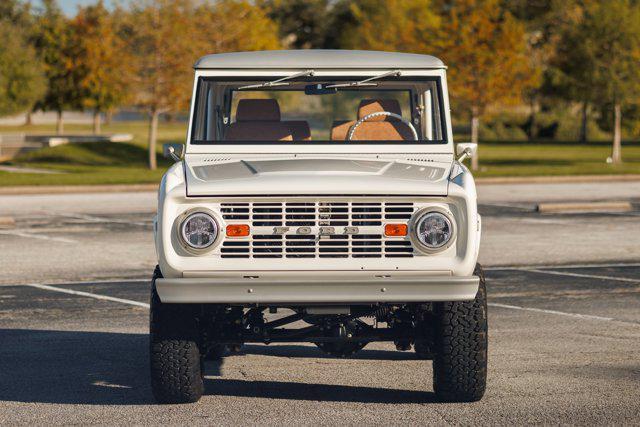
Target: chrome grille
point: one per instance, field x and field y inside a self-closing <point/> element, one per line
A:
<point x="369" y="217"/>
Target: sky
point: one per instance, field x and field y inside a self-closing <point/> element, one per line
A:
<point x="70" y="7"/>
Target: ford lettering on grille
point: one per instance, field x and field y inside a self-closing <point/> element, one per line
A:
<point x="317" y="229"/>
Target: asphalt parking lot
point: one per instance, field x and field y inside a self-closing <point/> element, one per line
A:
<point x="564" y="346"/>
<point x="564" y="313"/>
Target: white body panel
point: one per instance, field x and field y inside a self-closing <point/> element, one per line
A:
<point x="240" y="175"/>
<point x="215" y="174"/>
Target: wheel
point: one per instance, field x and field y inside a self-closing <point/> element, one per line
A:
<point x="422" y="349"/>
<point x="176" y="362"/>
<point x="460" y="362"/>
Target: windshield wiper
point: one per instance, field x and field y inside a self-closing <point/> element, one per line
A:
<point x="280" y="82"/>
<point x="366" y="82"/>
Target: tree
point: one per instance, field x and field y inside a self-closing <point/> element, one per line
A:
<point x="166" y="37"/>
<point x="103" y="79"/>
<point x="19" y="14"/>
<point x="16" y="12"/>
<point x="541" y="19"/>
<point x="22" y="81"/>
<point x="553" y="25"/>
<point x="52" y="41"/>
<point x="161" y="35"/>
<point x="302" y="23"/>
<point x="236" y="25"/>
<point x="388" y="25"/>
<point x="486" y="50"/>
<point x="598" y="59"/>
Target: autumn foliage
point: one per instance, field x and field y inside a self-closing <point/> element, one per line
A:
<point x="487" y="53"/>
<point x="166" y="37"/>
<point x="537" y="55"/>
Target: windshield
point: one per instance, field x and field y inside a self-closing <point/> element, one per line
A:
<point x="300" y="109"/>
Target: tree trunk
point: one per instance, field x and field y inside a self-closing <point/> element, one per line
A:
<point x="108" y="116"/>
<point x="583" y="124"/>
<point x="28" y="120"/>
<point x="475" y="127"/>
<point x="96" y="122"/>
<point x="532" y="118"/>
<point x="616" y="152"/>
<point x="153" y="133"/>
<point x="59" y="123"/>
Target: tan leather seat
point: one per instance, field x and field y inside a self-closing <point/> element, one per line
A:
<point x="340" y="128"/>
<point x="258" y="120"/>
<point x="381" y="128"/>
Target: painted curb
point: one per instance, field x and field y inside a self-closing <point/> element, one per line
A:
<point x="584" y="207"/>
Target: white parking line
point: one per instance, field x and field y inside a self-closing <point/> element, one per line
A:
<point x="523" y="207"/>
<point x="561" y="313"/>
<point x="36" y="236"/>
<point x="92" y="218"/>
<point x="588" y="276"/>
<point x="568" y="266"/>
<point x="544" y="221"/>
<point x="88" y="294"/>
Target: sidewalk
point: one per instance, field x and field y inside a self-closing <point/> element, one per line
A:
<point x="74" y="189"/>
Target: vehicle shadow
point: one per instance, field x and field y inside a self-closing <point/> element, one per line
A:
<point x="74" y="367"/>
<point x="314" y="392"/>
<point x="108" y="368"/>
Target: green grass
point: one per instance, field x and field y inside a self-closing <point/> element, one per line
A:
<point x="167" y="132"/>
<point x="554" y="158"/>
<point x="93" y="163"/>
<point x="126" y="163"/>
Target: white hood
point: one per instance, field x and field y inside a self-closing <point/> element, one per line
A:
<point x="208" y="176"/>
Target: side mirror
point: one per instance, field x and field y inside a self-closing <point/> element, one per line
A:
<point x="466" y="150"/>
<point x="173" y="151"/>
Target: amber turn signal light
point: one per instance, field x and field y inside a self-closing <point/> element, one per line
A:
<point x="395" y="230"/>
<point x="237" y="230"/>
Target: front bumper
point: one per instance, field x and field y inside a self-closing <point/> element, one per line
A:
<point x="319" y="288"/>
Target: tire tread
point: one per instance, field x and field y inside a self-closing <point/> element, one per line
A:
<point x="460" y="362"/>
<point x="176" y="372"/>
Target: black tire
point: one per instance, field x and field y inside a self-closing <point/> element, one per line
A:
<point x="422" y="349"/>
<point x="460" y="362"/>
<point x="176" y="361"/>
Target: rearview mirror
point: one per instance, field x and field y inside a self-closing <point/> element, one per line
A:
<point x="466" y="150"/>
<point x="173" y="151"/>
<point x="319" y="89"/>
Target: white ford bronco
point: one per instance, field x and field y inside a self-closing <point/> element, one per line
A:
<point x="318" y="198"/>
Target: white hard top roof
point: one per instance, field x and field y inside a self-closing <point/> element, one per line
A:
<point x="317" y="59"/>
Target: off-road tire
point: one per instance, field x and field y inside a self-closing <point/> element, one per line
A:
<point x="175" y="358"/>
<point x="460" y="362"/>
<point x="422" y="349"/>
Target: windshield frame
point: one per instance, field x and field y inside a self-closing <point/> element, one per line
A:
<point x="443" y="145"/>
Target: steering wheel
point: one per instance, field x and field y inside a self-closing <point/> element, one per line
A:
<point x="352" y="131"/>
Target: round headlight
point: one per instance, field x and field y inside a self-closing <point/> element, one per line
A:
<point x="199" y="230"/>
<point x="434" y="230"/>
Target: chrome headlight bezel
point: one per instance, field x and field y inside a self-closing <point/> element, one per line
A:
<point x="414" y="226"/>
<point x="182" y="222"/>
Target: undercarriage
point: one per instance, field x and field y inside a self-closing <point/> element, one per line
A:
<point x="339" y="331"/>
